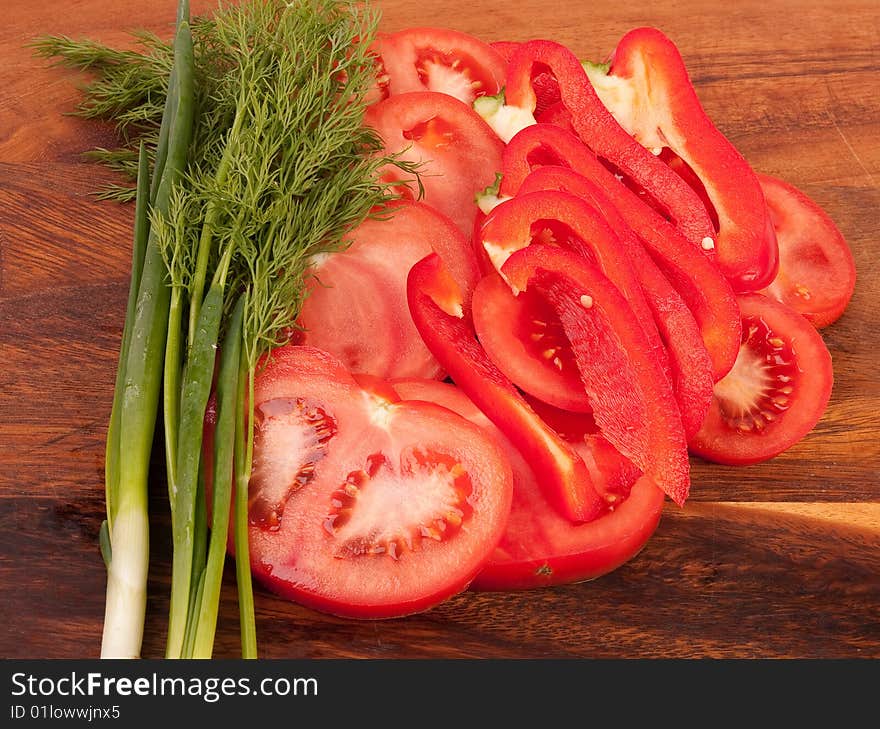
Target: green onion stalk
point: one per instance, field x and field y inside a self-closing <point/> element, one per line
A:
<point x="279" y="170"/>
<point x="133" y="415"/>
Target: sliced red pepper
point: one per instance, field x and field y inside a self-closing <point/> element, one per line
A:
<point x="436" y="306"/>
<point x="545" y="85"/>
<point x="648" y="90"/>
<point x="522" y="335"/>
<point x="699" y="282"/>
<point x="632" y="398"/>
<point x="558" y="115"/>
<point x="691" y="366"/>
<point x="599" y="130"/>
<point x="564" y="219"/>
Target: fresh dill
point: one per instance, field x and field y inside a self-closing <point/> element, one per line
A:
<point x="280" y="169"/>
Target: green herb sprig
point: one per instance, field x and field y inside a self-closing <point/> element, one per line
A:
<point x="280" y="169"/>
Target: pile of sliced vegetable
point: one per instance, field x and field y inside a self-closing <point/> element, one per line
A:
<point x="487" y="373"/>
<point x="641" y="293"/>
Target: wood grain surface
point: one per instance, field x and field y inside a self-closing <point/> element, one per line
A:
<point x="779" y="559"/>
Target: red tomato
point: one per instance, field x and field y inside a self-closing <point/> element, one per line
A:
<point x="438" y="59"/>
<point x="524" y="337"/>
<point x="775" y="393"/>
<point x="817" y="273"/>
<point x="458" y="152"/>
<point x="363" y="507"/>
<point x="540" y="547"/>
<point x="357" y="309"/>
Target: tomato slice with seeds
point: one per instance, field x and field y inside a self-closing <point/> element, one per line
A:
<point x="524" y="337"/>
<point x="539" y="547"/>
<point x="364" y="507"/>
<point x="439" y="59"/>
<point x="775" y="393"/>
<point x="817" y="274"/>
<point x="457" y="152"/>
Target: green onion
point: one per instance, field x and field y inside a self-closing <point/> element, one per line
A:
<point x="127" y="505"/>
<point x="221" y="480"/>
<point x="261" y="163"/>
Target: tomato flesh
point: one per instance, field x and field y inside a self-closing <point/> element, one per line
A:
<point x="457" y="152"/>
<point x="441" y="60"/>
<point x="357" y="310"/>
<point x="539" y="547"/>
<point x="775" y="393"/>
<point x="817" y="274"/>
<point x="364" y="507"/>
<point x="523" y="336"/>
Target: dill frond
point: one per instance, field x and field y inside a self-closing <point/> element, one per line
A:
<point x="303" y="169"/>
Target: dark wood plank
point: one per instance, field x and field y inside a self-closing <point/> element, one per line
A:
<point x="779" y="559"/>
<point x="720" y="580"/>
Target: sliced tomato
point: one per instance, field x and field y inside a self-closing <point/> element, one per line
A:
<point x="524" y="337"/>
<point x="377" y="386"/>
<point x="457" y="152"/>
<point x="438" y="59"/>
<point x="356" y="308"/>
<point x="363" y="507"/>
<point x="775" y="393"/>
<point x="539" y="547"/>
<point x="817" y="274"/>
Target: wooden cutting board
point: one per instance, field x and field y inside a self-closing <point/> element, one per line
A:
<point x="779" y="559"/>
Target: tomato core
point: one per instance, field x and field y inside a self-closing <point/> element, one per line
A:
<point x="290" y="437"/>
<point x="453" y="73"/>
<point x="377" y="512"/>
<point x="758" y="389"/>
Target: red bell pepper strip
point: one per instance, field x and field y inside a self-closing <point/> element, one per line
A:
<point x="632" y="398"/>
<point x="691" y="272"/>
<point x="575" y="225"/>
<point x="436" y="306"/>
<point x="545" y="85"/>
<point x="691" y="366"/>
<point x="558" y="115"/>
<point x="599" y="130"/>
<point x="648" y="90"/>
